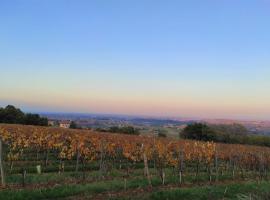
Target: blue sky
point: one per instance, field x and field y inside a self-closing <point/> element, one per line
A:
<point x="174" y="58"/>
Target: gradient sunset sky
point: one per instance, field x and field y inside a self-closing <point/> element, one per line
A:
<point x="190" y="58"/>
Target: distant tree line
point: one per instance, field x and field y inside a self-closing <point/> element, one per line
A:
<point x="13" y="115"/>
<point x="233" y="134"/>
<point x="124" y="130"/>
<point x="73" y="125"/>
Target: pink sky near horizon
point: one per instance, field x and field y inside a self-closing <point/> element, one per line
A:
<point x="155" y="105"/>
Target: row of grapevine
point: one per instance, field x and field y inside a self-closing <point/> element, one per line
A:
<point x="114" y="150"/>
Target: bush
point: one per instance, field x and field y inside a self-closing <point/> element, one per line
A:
<point x="162" y="134"/>
<point x="125" y="130"/>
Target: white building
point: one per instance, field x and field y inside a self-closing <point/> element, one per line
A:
<point x="65" y="124"/>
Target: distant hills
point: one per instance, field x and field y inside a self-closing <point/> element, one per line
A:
<point x="255" y="127"/>
<point x="100" y="120"/>
<point x="108" y="120"/>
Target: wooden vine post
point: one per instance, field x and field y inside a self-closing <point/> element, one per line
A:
<point x="77" y="160"/>
<point x="146" y="168"/>
<point x="197" y="170"/>
<point x="181" y="166"/>
<point x="3" y="183"/>
<point x="216" y="166"/>
<point x="101" y="161"/>
<point x="47" y="157"/>
<point x="23" y="177"/>
<point x="233" y="168"/>
<point x="261" y="167"/>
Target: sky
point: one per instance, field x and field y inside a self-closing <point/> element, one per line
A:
<point x="181" y="58"/>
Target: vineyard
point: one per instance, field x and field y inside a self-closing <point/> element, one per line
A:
<point x="116" y="165"/>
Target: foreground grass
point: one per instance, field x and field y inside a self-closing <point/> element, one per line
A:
<point x="87" y="191"/>
<point x="231" y="191"/>
<point x="75" y="184"/>
<point x="235" y="191"/>
<point x="59" y="191"/>
<point x="90" y="176"/>
<point x="62" y="191"/>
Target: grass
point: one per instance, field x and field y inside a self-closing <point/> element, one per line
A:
<point x="117" y="185"/>
<point x="70" y="190"/>
<point x="114" y="174"/>
<point x="68" y="176"/>
<point x="234" y="191"/>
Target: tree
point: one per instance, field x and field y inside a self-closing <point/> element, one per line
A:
<point x="12" y="115"/>
<point x="162" y="134"/>
<point x="198" y="131"/>
<point x="125" y="130"/>
<point x="35" y="119"/>
<point x="233" y="134"/>
<point x="233" y="129"/>
<point x="73" y="125"/>
<point x="130" y="130"/>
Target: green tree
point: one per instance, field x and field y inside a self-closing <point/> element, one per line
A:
<point x="35" y="119"/>
<point x="125" y="130"/>
<point x="162" y="134"/>
<point x="233" y="134"/>
<point x="198" y="131"/>
<point x="233" y="129"/>
<point x="73" y="125"/>
<point x="12" y="115"/>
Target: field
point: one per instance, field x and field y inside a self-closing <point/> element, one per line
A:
<point x="54" y="163"/>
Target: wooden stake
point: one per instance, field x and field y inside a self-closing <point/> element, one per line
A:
<point x="146" y="168"/>
<point x="3" y="183"/>
<point x="181" y="166"/>
<point x="216" y="166"/>
<point x="77" y="160"/>
<point x="23" y="177"/>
